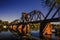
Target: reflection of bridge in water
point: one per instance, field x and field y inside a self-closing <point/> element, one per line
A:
<point x="36" y="17"/>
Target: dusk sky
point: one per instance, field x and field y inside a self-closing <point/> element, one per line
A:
<point x="12" y="9"/>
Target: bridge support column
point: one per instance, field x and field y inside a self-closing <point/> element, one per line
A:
<point x="45" y="31"/>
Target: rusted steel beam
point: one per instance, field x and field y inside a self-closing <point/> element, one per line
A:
<point x="48" y="20"/>
<point x="50" y="10"/>
<point x="55" y="13"/>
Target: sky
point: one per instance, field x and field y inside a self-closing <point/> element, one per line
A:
<point x="12" y="9"/>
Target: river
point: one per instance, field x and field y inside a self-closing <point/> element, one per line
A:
<point x="7" y="35"/>
<point x="36" y="35"/>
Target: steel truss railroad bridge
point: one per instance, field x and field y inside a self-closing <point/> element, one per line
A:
<point x="38" y="17"/>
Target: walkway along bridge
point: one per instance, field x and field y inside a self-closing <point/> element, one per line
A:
<point x="37" y="17"/>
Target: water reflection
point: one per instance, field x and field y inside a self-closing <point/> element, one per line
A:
<point x="36" y="35"/>
<point x="10" y="36"/>
<point x="7" y="35"/>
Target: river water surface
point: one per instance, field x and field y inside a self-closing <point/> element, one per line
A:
<point x="7" y="35"/>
